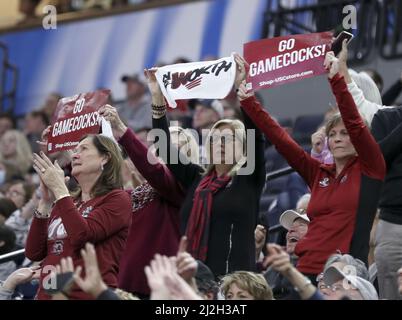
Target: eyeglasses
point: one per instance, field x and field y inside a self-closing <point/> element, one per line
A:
<point x="336" y="287"/>
<point x="333" y="288"/>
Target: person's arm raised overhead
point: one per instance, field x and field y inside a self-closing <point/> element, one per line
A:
<point x="286" y="146"/>
<point x="184" y="171"/>
<point x="369" y="152"/>
<point x="150" y="167"/>
<point x="319" y="147"/>
<point x="259" y="172"/>
<point x="366" y="108"/>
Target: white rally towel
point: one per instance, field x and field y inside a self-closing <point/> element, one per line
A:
<point x="107" y="130"/>
<point x="204" y="80"/>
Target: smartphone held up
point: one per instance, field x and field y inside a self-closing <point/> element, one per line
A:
<point x="337" y="44"/>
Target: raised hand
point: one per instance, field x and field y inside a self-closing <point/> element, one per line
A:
<point x="185" y="263"/>
<point x="242" y="92"/>
<point x="51" y="175"/>
<point x="159" y="268"/>
<point x="343" y="58"/>
<point x="331" y="63"/>
<point x="179" y="289"/>
<point x="242" y="69"/>
<point x="164" y="281"/>
<point x="260" y="234"/>
<point x="92" y="283"/>
<point x="153" y="86"/>
<point x="110" y="114"/>
<point x="65" y="268"/>
<point x="44" y="137"/>
<point x="318" y="140"/>
<point x="277" y="258"/>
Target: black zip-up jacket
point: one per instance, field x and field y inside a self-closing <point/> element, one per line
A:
<point x="387" y="130"/>
<point x="234" y="216"/>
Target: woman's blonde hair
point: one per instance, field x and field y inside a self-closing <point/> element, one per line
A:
<point x="254" y="283"/>
<point x="23" y="152"/>
<point x="191" y="145"/>
<point x="240" y="132"/>
<point x="335" y="119"/>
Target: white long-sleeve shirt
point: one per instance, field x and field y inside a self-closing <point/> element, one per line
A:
<point x="366" y="108"/>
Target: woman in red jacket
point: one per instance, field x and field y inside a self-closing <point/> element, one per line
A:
<point x="344" y="195"/>
<point x="99" y="213"/>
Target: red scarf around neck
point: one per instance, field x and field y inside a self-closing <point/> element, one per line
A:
<point x="198" y="225"/>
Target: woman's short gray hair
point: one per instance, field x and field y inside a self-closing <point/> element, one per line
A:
<point x="347" y="259"/>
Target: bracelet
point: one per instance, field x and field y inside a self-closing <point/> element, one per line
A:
<point x="40" y="215"/>
<point x="158" y="113"/>
<point x="158" y="108"/>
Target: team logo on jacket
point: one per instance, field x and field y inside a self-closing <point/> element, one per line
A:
<point x="56" y="230"/>
<point x="58" y="247"/>
<point x="87" y="211"/>
<point x="324" y="182"/>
